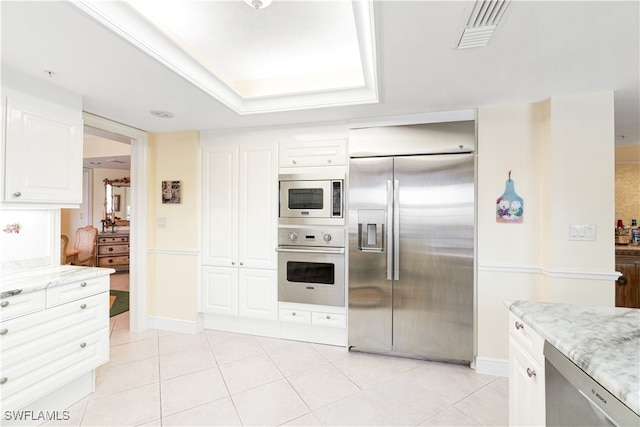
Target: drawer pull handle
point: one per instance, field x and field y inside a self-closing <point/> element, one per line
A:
<point x="83" y="284"/>
<point x="3" y="380"/>
<point x="110" y="249"/>
<point x="531" y="373"/>
<point x="519" y="325"/>
<point x="4" y="303"/>
<point x="83" y="345"/>
<point x="17" y="194"/>
<point x="83" y="306"/>
<point x="5" y="331"/>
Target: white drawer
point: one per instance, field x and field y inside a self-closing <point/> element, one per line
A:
<point x="28" y="381"/>
<point x="30" y="335"/>
<point x="295" y="316"/>
<point x="528" y="339"/>
<point x="21" y="304"/>
<point x="73" y="291"/>
<point x="329" y="319"/>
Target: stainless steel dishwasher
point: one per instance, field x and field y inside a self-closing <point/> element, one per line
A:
<point x="573" y="398"/>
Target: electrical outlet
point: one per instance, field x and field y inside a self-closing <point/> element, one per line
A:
<point x="162" y="222"/>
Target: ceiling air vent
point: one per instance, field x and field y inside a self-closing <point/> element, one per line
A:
<point x="482" y="23"/>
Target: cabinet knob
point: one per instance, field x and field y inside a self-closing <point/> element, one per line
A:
<point x="242" y="263"/>
<point x="17" y="194"/>
<point x="4" y="303"/>
<point x="328" y="160"/>
<point x="83" y="284"/>
<point x="294" y="162"/>
<point x="622" y="281"/>
<point x="3" y="380"/>
<point x="328" y="317"/>
<point x="293" y="314"/>
<point x="83" y="306"/>
<point x="531" y="373"/>
<point x="4" y="331"/>
<point x="83" y="345"/>
<point x="519" y="325"/>
<point x="233" y="263"/>
<point x="110" y="249"/>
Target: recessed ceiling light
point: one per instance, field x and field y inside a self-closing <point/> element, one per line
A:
<point x="161" y="114"/>
<point x="258" y="4"/>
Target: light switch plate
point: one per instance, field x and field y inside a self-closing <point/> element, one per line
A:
<point x="162" y="222"/>
<point x="584" y="232"/>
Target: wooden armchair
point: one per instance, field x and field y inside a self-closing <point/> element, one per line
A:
<point x="86" y="246"/>
<point x="67" y="256"/>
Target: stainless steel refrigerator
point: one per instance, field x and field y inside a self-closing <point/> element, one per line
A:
<point x="411" y="254"/>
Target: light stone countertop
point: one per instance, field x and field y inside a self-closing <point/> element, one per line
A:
<point x="38" y="278"/>
<point x="603" y="341"/>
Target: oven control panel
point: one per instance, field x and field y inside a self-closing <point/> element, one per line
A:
<point x="316" y="236"/>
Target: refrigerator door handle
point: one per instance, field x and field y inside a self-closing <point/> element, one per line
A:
<point x="396" y="230"/>
<point x="390" y="196"/>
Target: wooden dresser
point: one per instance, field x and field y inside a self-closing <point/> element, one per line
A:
<point x="112" y="250"/>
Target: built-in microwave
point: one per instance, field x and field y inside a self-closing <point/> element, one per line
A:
<point x="311" y="199"/>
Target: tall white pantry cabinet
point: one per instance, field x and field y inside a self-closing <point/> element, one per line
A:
<point x="240" y="222"/>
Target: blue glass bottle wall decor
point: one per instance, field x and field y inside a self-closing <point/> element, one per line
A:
<point x="509" y="206"/>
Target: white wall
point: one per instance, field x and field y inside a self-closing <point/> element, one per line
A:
<point x="560" y="152"/>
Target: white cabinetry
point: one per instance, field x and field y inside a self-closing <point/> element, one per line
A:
<point x="63" y="337"/>
<point x="42" y="151"/>
<point x="526" y="375"/>
<point x="240" y="222"/>
<point x="313" y="153"/>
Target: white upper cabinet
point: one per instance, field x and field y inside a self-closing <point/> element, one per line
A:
<point x="42" y="149"/>
<point x="240" y="206"/>
<point x="313" y="153"/>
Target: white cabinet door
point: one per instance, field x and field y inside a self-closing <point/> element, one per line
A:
<point x="220" y="290"/>
<point x="526" y="388"/>
<point x="258" y="206"/>
<point x="220" y="205"/>
<point x="43" y="152"/>
<point x="258" y="293"/>
<point x="313" y="153"/>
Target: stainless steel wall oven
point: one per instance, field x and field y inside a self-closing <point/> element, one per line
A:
<point x="311" y="265"/>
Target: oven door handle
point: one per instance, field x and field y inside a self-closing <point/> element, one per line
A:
<point x="310" y="250"/>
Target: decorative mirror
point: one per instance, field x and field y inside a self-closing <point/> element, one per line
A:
<point x="117" y="208"/>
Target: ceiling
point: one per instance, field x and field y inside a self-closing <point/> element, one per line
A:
<point x="539" y="49"/>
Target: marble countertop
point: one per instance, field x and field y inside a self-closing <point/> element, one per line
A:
<point x="603" y="341"/>
<point x="38" y="278"/>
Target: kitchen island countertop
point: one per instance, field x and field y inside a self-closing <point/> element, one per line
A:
<point x="603" y="341"/>
<point x="35" y="279"/>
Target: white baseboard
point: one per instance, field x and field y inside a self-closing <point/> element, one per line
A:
<point x="175" y="325"/>
<point x="489" y="366"/>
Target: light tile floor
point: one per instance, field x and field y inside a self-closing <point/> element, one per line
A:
<point x="217" y="378"/>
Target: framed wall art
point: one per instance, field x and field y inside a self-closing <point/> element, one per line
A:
<point x="171" y="192"/>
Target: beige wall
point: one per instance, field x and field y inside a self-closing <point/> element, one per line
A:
<point x="561" y="153"/>
<point x="173" y="250"/>
<point x="628" y="191"/>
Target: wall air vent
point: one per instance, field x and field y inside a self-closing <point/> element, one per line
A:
<point x="482" y="23"/>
